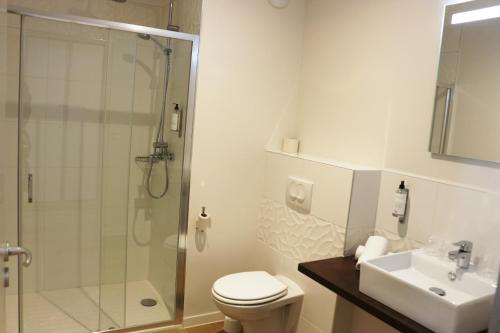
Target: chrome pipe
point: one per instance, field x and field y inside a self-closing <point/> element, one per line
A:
<point x="170" y="24"/>
<point x="170" y="12"/>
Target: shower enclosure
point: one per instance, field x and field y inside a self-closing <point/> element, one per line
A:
<point x="103" y="113"/>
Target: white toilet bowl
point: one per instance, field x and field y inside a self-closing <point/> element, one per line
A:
<point x="261" y="302"/>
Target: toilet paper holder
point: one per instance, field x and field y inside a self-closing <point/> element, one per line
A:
<point x="204" y="220"/>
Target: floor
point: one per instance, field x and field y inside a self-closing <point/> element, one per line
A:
<point x="76" y="311"/>
<point x="209" y="328"/>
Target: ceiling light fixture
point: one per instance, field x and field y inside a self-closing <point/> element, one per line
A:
<point x="476" y="15"/>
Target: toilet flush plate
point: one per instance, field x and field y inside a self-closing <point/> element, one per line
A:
<point x="299" y="194"/>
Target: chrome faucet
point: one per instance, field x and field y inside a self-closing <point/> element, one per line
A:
<point x="463" y="255"/>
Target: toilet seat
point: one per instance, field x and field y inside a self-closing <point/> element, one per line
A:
<point x="248" y="288"/>
<point x="251" y="302"/>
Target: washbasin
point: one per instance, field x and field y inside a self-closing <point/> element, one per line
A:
<point x="419" y="286"/>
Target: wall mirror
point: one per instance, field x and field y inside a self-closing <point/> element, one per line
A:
<point x="467" y="104"/>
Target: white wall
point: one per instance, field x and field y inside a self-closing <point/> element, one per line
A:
<point x="357" y="45"/>
<point x="346" y="80"/>
<point x="248" y="60"/>
<point x="367" y="97"/>
<point x="411" y="115"/>
<point x="368" y="87"/>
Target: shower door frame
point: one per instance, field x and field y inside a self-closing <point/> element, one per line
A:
<point x="188" y="142"/>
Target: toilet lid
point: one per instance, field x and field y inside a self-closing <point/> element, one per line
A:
<point x="249" y="286"/>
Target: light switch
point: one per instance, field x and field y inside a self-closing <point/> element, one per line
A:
<point x="299" y="194"/>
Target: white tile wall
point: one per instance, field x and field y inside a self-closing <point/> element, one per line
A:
<point x="288" y="237"/>
<point x="298" y="236"/>
<point x="331" y="190"/>
<point x="278" y="168"/>
<point x="330" y="187"/>
<point x="449" y="211"/>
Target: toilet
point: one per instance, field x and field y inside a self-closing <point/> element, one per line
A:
<point x="262" y="303"/>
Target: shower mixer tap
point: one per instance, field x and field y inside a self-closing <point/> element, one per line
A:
<point x="160" y="153"/>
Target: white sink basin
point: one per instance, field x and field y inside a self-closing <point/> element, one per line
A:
<point x="402" y="281"/>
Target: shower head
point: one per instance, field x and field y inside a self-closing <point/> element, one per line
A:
<point x="166" y="50"/>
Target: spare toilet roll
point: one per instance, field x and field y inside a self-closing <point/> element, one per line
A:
<point x="375" y="246"/>
<point x="290" y="146"/>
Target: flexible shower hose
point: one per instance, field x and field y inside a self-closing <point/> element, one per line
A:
<point x="148" y="181"/>
<point x="159" y="133"/>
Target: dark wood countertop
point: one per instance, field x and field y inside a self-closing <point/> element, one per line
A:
<point x="340" y="276"/>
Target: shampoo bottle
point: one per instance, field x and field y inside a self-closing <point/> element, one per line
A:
<point x="175" y="118"/>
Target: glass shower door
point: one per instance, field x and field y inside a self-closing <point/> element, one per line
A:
<point x="76" y="103"/>
<point x="115" y="179"/>
<point x="103" y="125"/>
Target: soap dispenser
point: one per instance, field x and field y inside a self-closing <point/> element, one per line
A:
<point x="400" y="202"/>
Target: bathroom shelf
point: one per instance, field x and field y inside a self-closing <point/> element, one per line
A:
<point x="317" y="159"/>
<point x="340" y="276"/>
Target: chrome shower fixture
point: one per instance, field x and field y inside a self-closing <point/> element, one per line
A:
<point x="166" y="50"/>
<point x="170" y="25"/>
<point x="160" y="154"/>
<point x="160" y="146"/>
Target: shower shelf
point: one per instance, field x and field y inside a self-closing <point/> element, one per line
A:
<point x="317" y="159"/>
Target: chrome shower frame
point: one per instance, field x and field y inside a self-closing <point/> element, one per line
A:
<point x="188" y="142"/>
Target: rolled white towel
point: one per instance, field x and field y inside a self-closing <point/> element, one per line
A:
<point x="359" y="251"/>
<point x="375" y="246"/>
